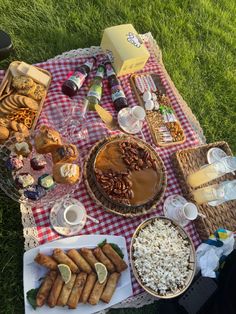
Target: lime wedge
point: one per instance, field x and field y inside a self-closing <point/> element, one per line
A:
<point x="65" y="272"/>
<point x="101" y="272"/>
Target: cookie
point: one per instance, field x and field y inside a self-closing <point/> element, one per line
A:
<point x="4" y="111"/>
<point x="14" y="162"/>
<point x="27" y="91"/>
<point x="4" y="122"/>
<point x="31" y="103"/>
<point x="12" y="100"/>
<point x="35" y="192"/>
<point x="14" y="125"/>
<point x="22" y="82"/>
<point x="4" y="133"/>
<point x="38" y="162"/>
<point x="38" y="93"/>
<point x="9" y="105"/>
<point x="23" y="180"/>
<point x="19" y="99"/>
<point x="46" y="181"/>
<point x="23" y="129"/>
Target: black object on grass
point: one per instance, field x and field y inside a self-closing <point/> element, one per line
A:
<point x="5" y="45"/>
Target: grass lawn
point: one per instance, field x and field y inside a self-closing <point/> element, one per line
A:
<point x="198" y="40"/>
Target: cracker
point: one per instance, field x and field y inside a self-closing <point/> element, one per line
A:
<point x="30" y="103"/>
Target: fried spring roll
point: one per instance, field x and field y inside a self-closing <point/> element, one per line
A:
<point x="103" y="259"/>
<point x="96" y="292"/>
<point x="62" y="258"/>
<point x="88" y="287"/>
<point x="90" y="258"/>
<point x="45" y="288"/>
<point x="77" y="290"/>
<point x="55" y="292"/>
<point x="119" y="263"/>
<point x="110" y="287"/>
<point x="79" y="261"/>
<point x="66" y="290"/>
<point x="46" y="261"/>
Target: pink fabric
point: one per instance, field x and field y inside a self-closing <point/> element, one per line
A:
<point x="109" y="223"/>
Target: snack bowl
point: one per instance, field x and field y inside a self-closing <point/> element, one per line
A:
<point x="7" y="178"/>
<point x="191" y="258"/>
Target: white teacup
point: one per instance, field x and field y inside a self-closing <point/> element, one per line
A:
<point x="72" y="215"/>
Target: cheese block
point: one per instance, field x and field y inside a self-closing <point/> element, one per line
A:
<point x="34" y="73"/>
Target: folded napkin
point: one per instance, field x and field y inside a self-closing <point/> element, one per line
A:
<point x="212" y="251"/>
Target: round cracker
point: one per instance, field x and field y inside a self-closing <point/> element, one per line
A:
<point x="31" y="104"/>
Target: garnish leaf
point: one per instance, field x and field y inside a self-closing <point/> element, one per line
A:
<point x="101" y="244"/>
<point x="31" y="297"/>
<point x="114" y="246"/>
<point x="117" y="249"/>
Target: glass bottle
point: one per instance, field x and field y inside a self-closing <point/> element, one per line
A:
<point x="212" y="171"/>
<point x="72" y="85"/>
<point x="95" y="91"/>
<point x="117" y="93"/>
<point x="216" y="194"/>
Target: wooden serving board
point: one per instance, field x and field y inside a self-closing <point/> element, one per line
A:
<point x="6" y="89"/>
<point x="154" y="117"/>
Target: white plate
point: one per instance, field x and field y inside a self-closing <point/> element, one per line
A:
<point x="33" y="272"/>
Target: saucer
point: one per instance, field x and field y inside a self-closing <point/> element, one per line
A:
<point x="65" y="230"/>
<point x="134" y="129"/>
<point x="168" y="204"/>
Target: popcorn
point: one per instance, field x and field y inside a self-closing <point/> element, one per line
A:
<point x="162" y="257"/>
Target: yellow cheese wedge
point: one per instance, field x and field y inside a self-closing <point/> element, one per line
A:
<point x="34" y="73"/>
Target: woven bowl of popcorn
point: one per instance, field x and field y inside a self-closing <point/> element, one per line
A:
<point x="162" y="257"/>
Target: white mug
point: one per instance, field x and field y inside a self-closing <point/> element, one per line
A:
<point x="187" y="211"/>
<point x="178" y="208"/>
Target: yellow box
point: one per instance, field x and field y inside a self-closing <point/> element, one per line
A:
<point x="125" y="48"/>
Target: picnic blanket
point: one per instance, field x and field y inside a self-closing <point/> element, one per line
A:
<point x="37" y="228"/>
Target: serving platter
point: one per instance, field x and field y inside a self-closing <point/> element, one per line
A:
<point x="156" y="119"/>
<point x="192" y="258"/>
<point x="33" y="272"/>
<point x="98" y="195"/>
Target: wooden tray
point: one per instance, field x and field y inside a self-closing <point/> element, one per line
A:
<point x="154" y="117"/>
<point x="98" y="196"/>
<point x="222" y="216"/>
<point x="6" y="82"/>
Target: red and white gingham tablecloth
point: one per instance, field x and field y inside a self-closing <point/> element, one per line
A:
<point x="109" y="223"/>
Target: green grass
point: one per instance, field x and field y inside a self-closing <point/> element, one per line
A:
<point x="198" y="40"/>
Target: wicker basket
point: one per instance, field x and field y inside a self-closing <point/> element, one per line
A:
<point x="222" y="216"/>
<point x="99" y="197"/>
